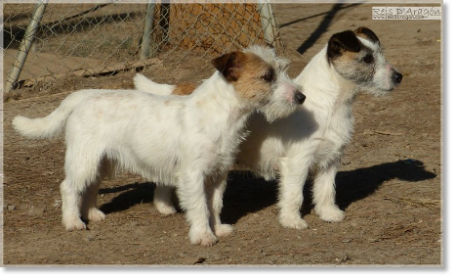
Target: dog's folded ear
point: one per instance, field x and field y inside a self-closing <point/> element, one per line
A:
<point x="341" y="42"/>
<point x="367" y="34"/>
<point x="269" y="45"/>
<point x="230" y="64"/>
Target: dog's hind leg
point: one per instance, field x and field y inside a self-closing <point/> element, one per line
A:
<point x="162" y="200"/>
<point x="324" y="191"/>
<point x="82" y="179"/>
<point x="90" y="196"/>
<point x="215" y="193"/>
<point x="70" y="195"/>
<point x="89" y="199"/>
<point x="191" y="195"/>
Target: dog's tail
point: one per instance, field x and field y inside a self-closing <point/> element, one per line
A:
<point x="52" y="124"/>
<point x="146" y="85"/>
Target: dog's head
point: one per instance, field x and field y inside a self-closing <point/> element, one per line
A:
<point x="259" y="78"/>
<point x="358" y="56"/>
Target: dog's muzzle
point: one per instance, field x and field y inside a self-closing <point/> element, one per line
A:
<point x="299" y="97"/>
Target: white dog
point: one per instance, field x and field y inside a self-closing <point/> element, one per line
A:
<point x="314" y="137"/>
<point x="189" y="142"/>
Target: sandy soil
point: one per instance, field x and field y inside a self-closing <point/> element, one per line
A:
<point x="389" y="184"/>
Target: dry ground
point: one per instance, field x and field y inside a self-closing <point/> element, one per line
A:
<point x="389" y="184"/>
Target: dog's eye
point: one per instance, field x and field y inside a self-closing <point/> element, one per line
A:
<point x="368" y="59"/>
<point x="269" y="76"/>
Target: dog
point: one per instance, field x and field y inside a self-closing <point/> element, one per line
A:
<point x="312" y="139"/>
<point x="189" y="142"/>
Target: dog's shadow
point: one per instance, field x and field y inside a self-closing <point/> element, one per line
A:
<point x="357" y="184"/>
<point x="248" y="194"/>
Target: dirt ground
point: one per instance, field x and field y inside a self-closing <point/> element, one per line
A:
<point x="389" y="184"/>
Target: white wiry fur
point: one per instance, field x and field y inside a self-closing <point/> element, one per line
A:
<point x="189" y="142"/>
<point x="311" y="139"/>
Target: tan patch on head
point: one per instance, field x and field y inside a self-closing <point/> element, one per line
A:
<point x="367" y="34"/>
<point x="346" y="57"/>
<point x="184" y="89"/>
<point x="362" y="35"/>
<point x="251" y="83"/>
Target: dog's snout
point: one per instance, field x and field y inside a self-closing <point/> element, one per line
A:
<point x="397" y="77"/>
<point x="299" y="97"/>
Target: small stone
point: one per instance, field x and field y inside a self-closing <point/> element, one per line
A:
<point x="90" y="238"/>
<point x="11" y="207"/>
<point x="368" y="132"/>
<point x="343" y="258"/>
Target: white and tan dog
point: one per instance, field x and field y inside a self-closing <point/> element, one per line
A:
<point x="314" y="137"/>
<point x="189" y="142"/>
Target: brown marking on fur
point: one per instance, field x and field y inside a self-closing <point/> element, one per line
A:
<point x="346" y="57"/>
<point x="230" y="64"/>
<point x="367" y="34"/>
<point x="248" y="73"/>
<point x="251" y="83"/>
<point x="184" y="89"/>
<point x="341" y="44"/>
<point x="347" y="53"/>
<point x="362" y="35"/>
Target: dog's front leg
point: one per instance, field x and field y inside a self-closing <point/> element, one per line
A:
<point x="293" y="174"/>
<point x="215" y="188"/>
<point x="324" y="191"/>
<point x="191" y="194"/>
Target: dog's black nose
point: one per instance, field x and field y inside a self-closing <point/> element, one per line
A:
<point x="299" y="97"/>
<point x="397" y="77"/>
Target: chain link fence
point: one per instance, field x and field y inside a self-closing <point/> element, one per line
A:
<point x="54" y="40"/>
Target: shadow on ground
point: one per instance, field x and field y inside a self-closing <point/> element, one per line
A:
<point x="248" y="194"/>
<point x="321" y="28"/>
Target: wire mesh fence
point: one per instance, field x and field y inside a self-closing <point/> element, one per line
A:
<point x="87" y="39"/>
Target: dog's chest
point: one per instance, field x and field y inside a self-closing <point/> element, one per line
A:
<point x="336" y="136"/>
<point x="221" y="147"/>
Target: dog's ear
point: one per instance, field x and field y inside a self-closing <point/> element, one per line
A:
<point x="341" y="42"/>
<point x="269" y="45"/>
<point x="367" y="34"/>
<point x="230" y="64"/>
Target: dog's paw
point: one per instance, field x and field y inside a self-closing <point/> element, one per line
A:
<point x="95" y="215"/>
<point x="223" y="230"/>
<point x="330" y="213"/>
<point x="293" y="223"/>
<point x="164" y="208"/>
<point x="75" y="225"/>
<point x="204" y="238"/>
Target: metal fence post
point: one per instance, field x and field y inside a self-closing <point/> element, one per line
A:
<point x="147" y="30"/>
<point x="268" y="22"/>
<point x="25" y="45"/>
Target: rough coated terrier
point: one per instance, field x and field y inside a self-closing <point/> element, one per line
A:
<point x="313" y="138"/>
<point x="188" y="142"/>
